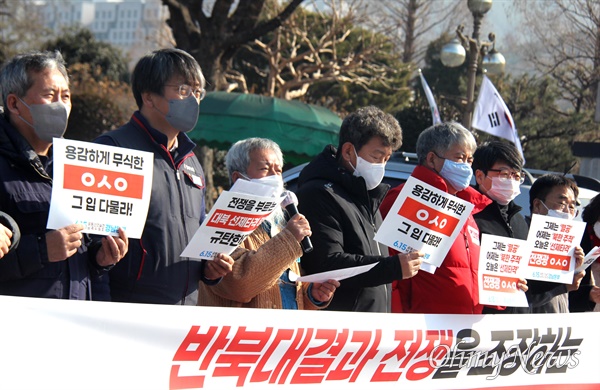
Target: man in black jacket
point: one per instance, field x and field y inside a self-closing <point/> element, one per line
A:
<point x="57" y="263"/>
<point x="339" y="192"/>
<point x="498" y="170"/>
<point x="167" y="85"/>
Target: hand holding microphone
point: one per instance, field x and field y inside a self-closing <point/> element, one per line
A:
<point x="297" y="224"/>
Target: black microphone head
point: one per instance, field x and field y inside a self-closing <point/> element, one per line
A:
<point x="290" y="198"/>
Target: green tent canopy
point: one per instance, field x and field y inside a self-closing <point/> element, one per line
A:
<point x="301" y="130"/>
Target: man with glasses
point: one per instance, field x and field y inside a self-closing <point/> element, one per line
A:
<point x="556" y="196"/>
<point x="168" y="85"/>
<point x="498" y="170"/>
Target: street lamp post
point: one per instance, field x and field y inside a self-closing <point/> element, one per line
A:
<point x="453" y="54"/>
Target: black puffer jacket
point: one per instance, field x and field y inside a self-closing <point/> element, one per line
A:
<point x="542" y="296"/>
<point x="344" y="218"/>
<point x="25" y="191"/>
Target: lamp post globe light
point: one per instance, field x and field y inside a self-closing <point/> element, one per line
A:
<point x="453" y="54"/>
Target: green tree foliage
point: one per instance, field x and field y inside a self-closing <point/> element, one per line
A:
<point x="79" y="46"/>
<point x="326" y="58"/>
<point x="98" y="103"/>
<point x="546" y="132"/>
<point x="20" y="28"/>
<point x="99" y="83"/>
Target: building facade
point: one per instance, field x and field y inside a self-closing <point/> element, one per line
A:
<point x="134" y="26"/>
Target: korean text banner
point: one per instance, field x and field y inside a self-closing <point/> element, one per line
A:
<point x="101" y="187"/>
<point x="424" y="218"/>
<point x="502" y="261"/>
<point x="553" y="243"/>
<point x="60" y="344"/>
<point x="233" y="218"/>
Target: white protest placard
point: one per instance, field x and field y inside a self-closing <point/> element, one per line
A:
<point x="502" y="261"/>
<point x="553" y="242"/>
<point x="589" y="259"/>
<point x="101" y="187"/>
<point x="233" y="218"/>
<point x="424" y="218"/>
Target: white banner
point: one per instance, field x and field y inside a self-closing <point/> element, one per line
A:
<point x="58" y="344"/>
<point x="101" y="187"/>
<point x="424" y="218"/>
<point x="552" y="255"/>
<point x="502" y="261"/>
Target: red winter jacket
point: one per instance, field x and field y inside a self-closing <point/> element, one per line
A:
<point x="453" y="288"/>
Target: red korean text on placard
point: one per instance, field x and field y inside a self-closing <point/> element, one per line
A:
<point x="428" y="217"/>
<point x="235" y="221"/>
<point x="550" y="261"/>
<point x="499" y="283"/>
<point x="101" y="181"/>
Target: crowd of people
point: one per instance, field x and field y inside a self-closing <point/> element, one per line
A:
<point x="342" y="202"/>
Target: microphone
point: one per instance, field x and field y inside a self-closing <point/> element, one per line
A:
<point x="289" y="203"/>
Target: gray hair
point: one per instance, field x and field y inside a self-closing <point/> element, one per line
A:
<point x="154" y="70"/>
<point x="238" y="156"/>
<point x="442" y="137"/>
<point x="361" y="126"/>
<point x="15" y="77"/>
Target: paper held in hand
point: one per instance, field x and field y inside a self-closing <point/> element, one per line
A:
<point x="589" y="259"/>
<point x="101" y="187"/>
<point x="502" y="262"/>
<point x="338" y="274"/>
<point x="553" y="242"/>
<point x="233" y="217"/>
<point x="424" y="218"/>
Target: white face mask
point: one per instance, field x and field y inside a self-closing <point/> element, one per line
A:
<point x="504" y="190"/>
<point x="371" y="172"/>
<point x="597" y="229"/>
<point x="275" y="181"/>
<point x="558" y="214"/>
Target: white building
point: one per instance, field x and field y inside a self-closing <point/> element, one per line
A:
<point x="135" y="26"/>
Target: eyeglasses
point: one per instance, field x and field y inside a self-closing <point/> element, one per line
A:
<point x="185" y="91"/>
<point x="565" y="208"/>
<point x="506" y="174"/>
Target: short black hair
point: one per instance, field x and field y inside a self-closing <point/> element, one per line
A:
<point x="489" y="153"/>
<point x="544" y="184"/>
<point x="154" y="70"/>
<point x="361" y="126"/>
<point x="591" y="212"/>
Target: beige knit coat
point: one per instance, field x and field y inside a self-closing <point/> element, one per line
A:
<point x="259" y="262"/>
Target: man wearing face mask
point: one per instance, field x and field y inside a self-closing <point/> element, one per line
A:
<point x="581" y="300"/>
<point x="498" y="170"/>
<point x="445" y="152"/>
<point x="266" y="267"/>
<point x="168" y="86"/>
<point x="556" y="196"/>
<point x="47" y="264"/>
<point x="339" y="192"/>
